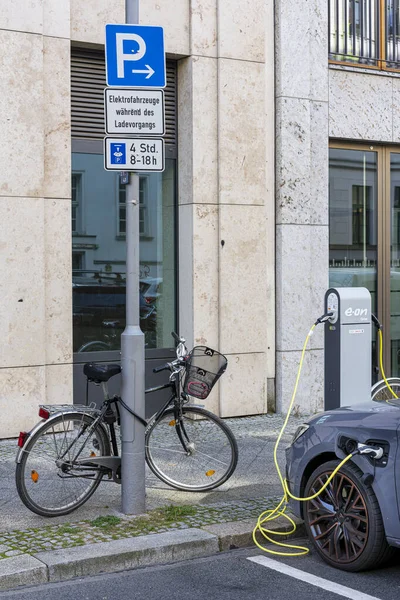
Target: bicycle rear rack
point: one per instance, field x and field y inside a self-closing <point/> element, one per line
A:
<point x="52" y="409"/>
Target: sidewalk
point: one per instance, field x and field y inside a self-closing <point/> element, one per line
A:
<point x="34" y="549"/>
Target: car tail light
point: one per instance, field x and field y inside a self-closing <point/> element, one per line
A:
<point x="43" y="413"/>
<point x="22" y="437"/>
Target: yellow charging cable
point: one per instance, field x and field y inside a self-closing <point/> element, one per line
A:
<point x="381" y="363"/>
<point x="279" y="510"/>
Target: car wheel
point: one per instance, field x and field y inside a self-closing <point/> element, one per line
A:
<point x="344" y="522"/>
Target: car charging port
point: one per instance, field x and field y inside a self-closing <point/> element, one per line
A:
<point x="347" y="445"/>
<point x="376" y="451"/>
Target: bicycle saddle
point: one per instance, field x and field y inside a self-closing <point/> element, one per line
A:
<point x="98" y="373"/>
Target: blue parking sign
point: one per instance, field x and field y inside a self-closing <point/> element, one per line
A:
<point x="118" y="154"/>
<point x="135" y="56"/>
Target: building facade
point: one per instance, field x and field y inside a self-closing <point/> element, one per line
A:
<point x="283" y="154"/>
<point x="207" y="218"/>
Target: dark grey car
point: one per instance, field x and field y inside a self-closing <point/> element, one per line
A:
<point x="355" y="523"/>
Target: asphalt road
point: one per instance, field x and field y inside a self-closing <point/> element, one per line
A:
<point x="230" y="576"/>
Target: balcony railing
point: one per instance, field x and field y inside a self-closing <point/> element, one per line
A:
<point x="365" y="33"/>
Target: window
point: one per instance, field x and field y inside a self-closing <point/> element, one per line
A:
<point x="76" y="201"/>
<point x="365" y="33"/>
<point x="143" y="207"/>
<point x="99" y="201"/>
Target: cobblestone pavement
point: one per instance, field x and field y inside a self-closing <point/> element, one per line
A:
<point x="253" y="488"/>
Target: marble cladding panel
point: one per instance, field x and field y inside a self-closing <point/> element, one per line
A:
<point x="57" y="18"/>
<point x="243" y="306"/>
<point x="205" y="275"/>
<point x="185" y="130"/>
<point x="22" y="314"/>
<point x="24" y="16"/>
<point x="21" y="392"/>
<point x="203" y="23"/>
<point x="319" y="163"/>
<point x="186" y="266"/>
<point x="57" y="227"/>
<point x="396" y="110"/>
<point x="175" y="20"/>
<point x="241" y="29"/>
<point x="197" y="130"/>
<point x="89" y="17"/>
<point x="301" y="282"/>
<point x="310" y="392"/>
<point x="57" y="122"/>
<point x="205" y="131"/>
<point x="318" y="44"/>
<point x="243" y="387"/>
<point x="360" y="106"/>
<point x="301" y="161"/>
<point x="301" y="50"/>
<point x="22" y="108"/>
<point x="58" y="387"/>
<point x="241" y="122"/>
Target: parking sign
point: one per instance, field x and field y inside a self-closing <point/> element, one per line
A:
<point x="135" y="56"/>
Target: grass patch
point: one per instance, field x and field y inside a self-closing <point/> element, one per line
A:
<point x="172" y="514"/>
<point x="63" y="529"/>
<point x="107" y="522"/>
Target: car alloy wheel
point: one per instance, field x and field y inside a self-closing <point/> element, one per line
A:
<point x="344" y="522"/>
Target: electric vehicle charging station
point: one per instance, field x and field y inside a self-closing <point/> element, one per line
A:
<point x="348" y="368"/>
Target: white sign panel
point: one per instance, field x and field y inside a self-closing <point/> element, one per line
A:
<point x="134" y="112"/>
<point x="134" y="154"/>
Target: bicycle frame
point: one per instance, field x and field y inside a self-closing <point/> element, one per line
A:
<point x="112" y="463"/>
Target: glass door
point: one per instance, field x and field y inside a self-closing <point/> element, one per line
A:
<point x="353" y="222"/>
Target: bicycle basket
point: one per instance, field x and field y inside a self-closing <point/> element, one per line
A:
<point x="203" y="369"/>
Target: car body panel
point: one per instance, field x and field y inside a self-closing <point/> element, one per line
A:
<point x="378" y="421"/>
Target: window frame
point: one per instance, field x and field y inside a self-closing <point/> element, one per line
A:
<point x="77" y="204"/>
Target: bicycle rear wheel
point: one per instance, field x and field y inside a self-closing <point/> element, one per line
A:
<point x="211" y="455"/>
<point x="50" y="481"/>
<point x="380" y="391"/>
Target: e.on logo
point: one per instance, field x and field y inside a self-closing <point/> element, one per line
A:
<point x="356" y="312"/>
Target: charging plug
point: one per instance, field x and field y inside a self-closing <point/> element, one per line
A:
<point x="375" y="453"/>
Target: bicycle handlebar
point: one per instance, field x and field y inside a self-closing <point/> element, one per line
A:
<point x="162" y="368"/>
<point x="177" y="338"/>
<point x="170" y="366"/>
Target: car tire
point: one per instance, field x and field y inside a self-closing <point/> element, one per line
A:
<point x="345" y="523"/>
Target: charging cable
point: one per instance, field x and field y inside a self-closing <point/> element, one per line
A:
<point x="280" y="509"/>
<point x="379" y="326"/>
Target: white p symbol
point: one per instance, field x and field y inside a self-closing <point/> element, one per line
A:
<point x="121" y="57"/>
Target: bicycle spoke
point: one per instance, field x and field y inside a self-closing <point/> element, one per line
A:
<point x="209" y="459"/>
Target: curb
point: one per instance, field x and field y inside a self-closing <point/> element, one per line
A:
<point x="132" y="553"/>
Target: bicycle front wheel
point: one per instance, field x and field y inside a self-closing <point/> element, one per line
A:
<point x="380" y="390"/>
<point x="194" y="451"/>
<point x="50" y="480"/>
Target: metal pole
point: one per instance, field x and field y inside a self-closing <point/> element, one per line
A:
<point x="132" y="350"/>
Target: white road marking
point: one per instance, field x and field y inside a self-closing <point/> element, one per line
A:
<point x="325" y="584"/>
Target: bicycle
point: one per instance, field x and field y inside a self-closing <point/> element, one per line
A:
<point x="62" y="461"/>
<point x="380" y="390"/>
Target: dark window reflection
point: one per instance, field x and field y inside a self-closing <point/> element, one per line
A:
<point x="98" y="255"/>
